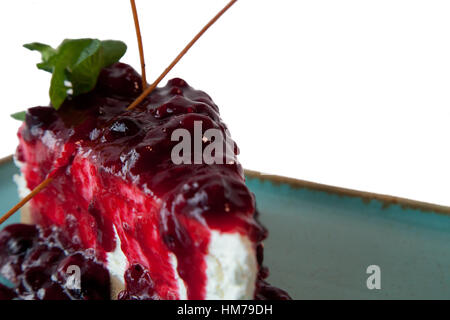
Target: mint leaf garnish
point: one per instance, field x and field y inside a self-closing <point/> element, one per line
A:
<point x="19" y="115"/>
<point x="46" y="53"/>
<point x="76" y="64"/>
<point x="113" y="50"/>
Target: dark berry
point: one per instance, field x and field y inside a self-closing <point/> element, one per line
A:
<point x="265" y="291"/>
<point x="124" y="127"/>
<point x="34" y="278"/>
<point x="53" y="291"/>
<point x="120" y="79"/>
<point x="42" y="256"/>
<point x="139" y="284"/>
<point x="40" y="117"/>
<point x="17" y="238"/>
<point x="94" y="279"/>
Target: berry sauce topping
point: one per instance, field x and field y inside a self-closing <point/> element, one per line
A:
<point x="38" y="263"/>
<point x="41" y="264"/>
<point x="114" y="179"/>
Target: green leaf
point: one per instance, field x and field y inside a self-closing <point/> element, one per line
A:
<point x="66" y="54"/>
<point x="74" y="59"/>
<point x="76" y="65"/>
<point x="19" y="115"/>
<point x="46" y="53"/>
<point x="84" y="73"/>
<point x="45" y="50"/>
<point x="58" y="91"/>
<point x="113" y="50"/>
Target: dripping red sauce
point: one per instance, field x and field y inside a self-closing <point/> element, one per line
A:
<point x="119" y="178"/>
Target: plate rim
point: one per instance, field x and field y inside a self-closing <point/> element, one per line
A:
<point x="366" y="197"/>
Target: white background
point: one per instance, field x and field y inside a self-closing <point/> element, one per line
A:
<point x="347" y="93"/>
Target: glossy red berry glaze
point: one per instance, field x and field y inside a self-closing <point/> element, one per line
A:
<point x="113" y="173"/>
<point x="37" y="262"/>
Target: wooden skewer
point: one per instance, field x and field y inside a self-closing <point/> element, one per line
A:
<point x="47" y="181"/>
<point x="180" y="55"/>
<point x="139" y="39"/>
<point x="35" y="191"/>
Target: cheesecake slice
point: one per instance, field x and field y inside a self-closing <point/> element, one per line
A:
<point x="160" y="230"/>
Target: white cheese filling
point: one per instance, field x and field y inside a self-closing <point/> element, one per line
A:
<point x="231" y="267"/>
<point x="117" y="261"/>
<point x="20" y="181"/>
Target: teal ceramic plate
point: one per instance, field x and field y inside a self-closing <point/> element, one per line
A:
<point x="322" y="239"/>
